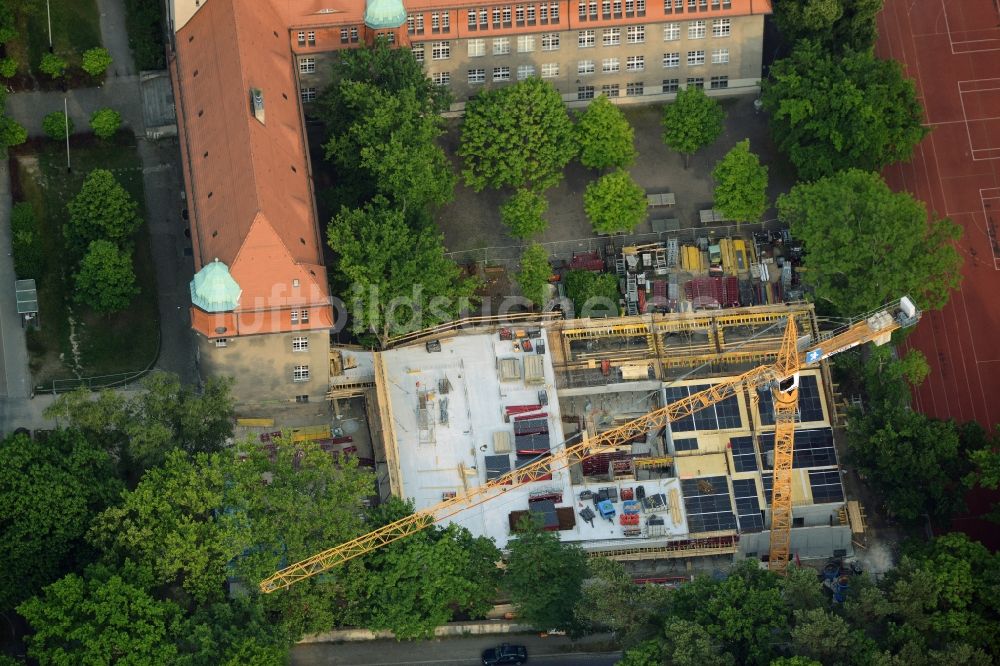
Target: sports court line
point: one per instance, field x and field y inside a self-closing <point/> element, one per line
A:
<point x="968" y="132"/>
<point x="951" y="41"/>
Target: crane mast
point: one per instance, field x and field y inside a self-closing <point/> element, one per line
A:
<point x="786" y="403"/>
<point x="876" y="327"/>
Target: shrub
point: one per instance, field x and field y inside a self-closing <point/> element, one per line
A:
<point x="26" y="246"/>
<point x="53" y="65"/>
<point x="11" y="133"/>
<point x="105" y="122"/>
<point x="55" y="124"/>
<point x="96" y="61"/>
<point x="8" y="67"/>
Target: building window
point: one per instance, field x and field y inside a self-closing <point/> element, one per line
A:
<point x="611" y="37"/>
<point x="721" y="27"/>
<point x="483" y="16"/>
<point x="703" y="5"/>
<point x="222" y="342"/>
<point x="671" y="32"/>
<point x="525" y="43"/>
<point x="477" y="48"/>
<point x="719" y="82"/>
<point x="307" y="94"/>
<point x="531" y="15"/>
<point x="586" y="38"/>
<point x="696" y="82"/>
<point x="307" y="65"/>
<point x="696" y="57"/>
<point x="636" y="34"/>
<point x="294" y="314"/>
<point x="543" y="12"/>
<point x="554" y="13"/>
<point x="440" y="21"/>
<point x="302" y="398"/>
<point x="550" y="70"/>
<point x="519" y="14"/>
<point x="501" y="46"/>
<point x="635" y="63"/>
<point x="300" y="373"/>
<point x="414" y="24"/>
<point x="496" y="17"/>
<point x="550" y="41"/>
<point x="593" y="9"/>
<point x="501" y="73"/>
<point x="354" y="35"/>
<point x="671" y="60"/>
<point x="300" y="344"/>
<point x="472" y="19"/>
<point x="390" y="37"/>
<point x="311" y="38"/>
<point x="585" y="67"/>
<point x="610" y="65"/>
<point x="343" y="35"/>
<point x="581" y="8"/>
<point x="635" y="7"/>
<point x="606" y="8"/>
<point x="609" y="90"/>
<point x="525" y="72"/>
<point x="302" y="38"/>
<point x="720" y="56"/>
<point x="585" y="92"/>
<point x="441" y="78"/>
<point x="418" y="52"/>
<point x="671" y="85"/>
<point x="506" y="17"/>
<point x="440" y="50"/>
<point x="696" y="30"/>
<point x="477" y="75"/>
<point x="634" y="89"/>
<point x="692" y="5"/>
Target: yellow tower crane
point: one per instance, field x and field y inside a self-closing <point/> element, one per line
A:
<point x="780" y="377"/>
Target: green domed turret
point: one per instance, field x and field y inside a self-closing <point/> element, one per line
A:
<point x="213" y="289"/>
<point x="384" y="14"/>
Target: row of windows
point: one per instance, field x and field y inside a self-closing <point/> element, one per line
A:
<point x="632" y="64"/>
<point x="299" y="344"/>
<point x="440" y="22"/>
<point x="588" y="8"/>
<point x="677" y="6"/>
<point x="523" y="14"/>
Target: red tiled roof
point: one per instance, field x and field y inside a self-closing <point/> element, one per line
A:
<point x="249" y="192"/>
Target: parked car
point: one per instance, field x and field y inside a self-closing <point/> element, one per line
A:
<point x="505" y="654"/>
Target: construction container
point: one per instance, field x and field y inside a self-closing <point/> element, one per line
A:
<point x="534" y="370"/>
<point x="510" y="369"/>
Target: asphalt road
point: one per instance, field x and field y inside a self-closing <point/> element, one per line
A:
<point x="552" y="651"/>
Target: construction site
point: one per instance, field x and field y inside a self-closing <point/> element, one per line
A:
<point x="660" y="437"/>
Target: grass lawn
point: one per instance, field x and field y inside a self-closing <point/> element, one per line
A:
<point x="76" y="27"/>
<point x="124" y="342"/>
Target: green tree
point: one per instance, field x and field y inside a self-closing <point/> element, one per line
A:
<point x="827" y="638"/>
<point x="233" y="633"/>
<point x="867" y="245"/>
<point x="56" y="125"/>
<point x="516" y="136"/>
<point x="142" y="429"/>
<point x="53" y="65"/>
<point x="26" y="243"/>
<point x="915" y="462"/>
<point x="615" y="202"/>
<point x="740" y="184"/>
<point x="691" y="122"/>
<point x="593" y="294"/>
<point x="523" y="214"/>
<point x="100" y="621"/>
<point x="647" y="653"/>
<point x="49" y="491"/>
<point x="103" y="210"/>
<point x="829" y="113"/>
<point x="8" y="67"/>
<point x="533" y="278"/>
<point x="611" y="600"/>
<point x="537" y="555"/>
<point x="105" y="123"/>
<point x="384" y="142"/>
<point x="105" y="281"/>
<point x="11" y="132"/>
<point x="801" y="589"/>
<point x="96" y="61"/>
<point x="691" y="644"/>
<point x="402" y="280"/>
<point x="604" y="136"/>
<point x="8" y="21"/>
<point x="839" y="25"/>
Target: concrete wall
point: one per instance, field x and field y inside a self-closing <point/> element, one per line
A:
<point x="807" y="542"/>
<point x="262" y="367"/>
<point x="745" y="45"/>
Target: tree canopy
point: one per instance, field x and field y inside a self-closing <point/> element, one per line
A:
<point x="533" y="278"/>
<point x="105" y="123"/>
<point x="105" y="281"/>
<point x="49" y="491"/>
<point x="537" y="555"/>
<point x="867" y="245"/>
<point x="103" y="210"/>
<point x="838" y="25"/>
<point x="400" y="277"/>
<point x="593" y="294"/>
<point x="523" y="214"/>
<point x="604" y="136"/>
<point x="516" y="136"/>
<point x="740" y="184"/>
<point x="831" y="113"/>
<point x="691" y="122"/>
<point x="615" y="202"/>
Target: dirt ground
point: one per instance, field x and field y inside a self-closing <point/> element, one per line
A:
<point x="472" y="221"/>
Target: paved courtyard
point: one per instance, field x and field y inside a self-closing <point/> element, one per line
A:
<point x="472" y="221"/>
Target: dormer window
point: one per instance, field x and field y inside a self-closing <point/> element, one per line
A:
<point x="257" y="104"/>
